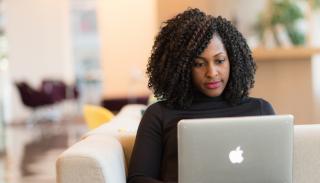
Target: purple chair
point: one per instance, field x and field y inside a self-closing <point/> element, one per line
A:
<point x="33" y="98"/>
<point x="58" y="90"/>
<point x="37" y="100"/>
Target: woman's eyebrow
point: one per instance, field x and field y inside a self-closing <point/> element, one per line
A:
<point x="202" y="58"/>
<point x="218" y="54"/>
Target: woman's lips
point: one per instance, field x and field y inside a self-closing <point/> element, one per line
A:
<point x="213" y="85"/>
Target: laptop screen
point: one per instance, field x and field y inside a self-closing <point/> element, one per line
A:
<point x="236" y="149"/>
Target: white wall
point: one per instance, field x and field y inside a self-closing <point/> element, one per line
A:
<point x="127" y="31"/>
<point x="316" y="61"/>
<point x="169" y="8"/>
<point x="39" y="44"/>
<point x="244" y="11"/>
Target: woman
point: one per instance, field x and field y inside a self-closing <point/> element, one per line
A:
<point x="200" y="67"/>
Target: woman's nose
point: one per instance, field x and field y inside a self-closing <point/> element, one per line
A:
<point x="212" y="71"/>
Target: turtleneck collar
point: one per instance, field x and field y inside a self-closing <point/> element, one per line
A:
<point x="204" y="102"/>
<point x="199" y="97"/>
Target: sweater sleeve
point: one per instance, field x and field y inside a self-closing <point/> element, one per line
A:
<point x="145" y="163"/>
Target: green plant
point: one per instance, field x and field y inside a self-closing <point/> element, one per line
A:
<point x="315" y="4"/>
<point x="286" y="13"/>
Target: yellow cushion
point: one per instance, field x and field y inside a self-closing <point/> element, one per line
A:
<point x="96" y="115"/>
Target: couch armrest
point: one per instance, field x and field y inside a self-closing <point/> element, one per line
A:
<point x="95" y="159"/>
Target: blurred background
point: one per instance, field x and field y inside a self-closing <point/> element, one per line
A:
<point x="58" y="55"/>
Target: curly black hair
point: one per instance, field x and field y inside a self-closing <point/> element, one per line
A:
<point x="183" y="38"/>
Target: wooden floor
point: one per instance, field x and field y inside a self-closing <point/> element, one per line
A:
<point x="28" y="152"/>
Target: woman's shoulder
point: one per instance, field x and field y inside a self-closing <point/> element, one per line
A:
<point x="156" y="106"/>
<point x="256" y="100"/>
<point x="161" y="110"/>
<point x="155" y="109"/>
<point x="265" y="106"/>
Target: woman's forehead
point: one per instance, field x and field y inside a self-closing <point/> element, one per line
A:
<point x="215" y="47"/>
<point x="216" y="41"/>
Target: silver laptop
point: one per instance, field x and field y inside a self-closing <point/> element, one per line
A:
<point x="236" y="150"/>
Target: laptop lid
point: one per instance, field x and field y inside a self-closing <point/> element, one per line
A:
<point x="236" y="150"/>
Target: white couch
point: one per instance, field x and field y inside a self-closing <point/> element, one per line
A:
<point x="102" y="155"/>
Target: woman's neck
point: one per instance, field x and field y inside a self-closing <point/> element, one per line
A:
<point x="200" y="97"/>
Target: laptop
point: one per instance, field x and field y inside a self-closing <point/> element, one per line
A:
<point x="255" y="149"/>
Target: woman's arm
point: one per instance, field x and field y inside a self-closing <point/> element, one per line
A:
<point x="145" y="163"/>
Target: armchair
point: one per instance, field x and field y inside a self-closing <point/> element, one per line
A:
<point x="102" y="155"/>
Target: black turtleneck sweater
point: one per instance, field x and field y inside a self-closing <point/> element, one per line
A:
<point x="155" y="158"/>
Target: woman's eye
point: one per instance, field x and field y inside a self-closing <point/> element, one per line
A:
<point x="198" y="64"/>
<point x="220" y="61"/>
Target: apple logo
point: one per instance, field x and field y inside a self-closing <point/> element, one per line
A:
<point x="235" y="156"/>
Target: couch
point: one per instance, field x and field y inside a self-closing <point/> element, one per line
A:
<point x="102" y="155"/>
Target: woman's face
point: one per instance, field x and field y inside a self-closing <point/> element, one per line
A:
<point x="211" y="69"/>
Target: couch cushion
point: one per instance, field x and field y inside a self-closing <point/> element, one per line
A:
<point x="126" y="121"/>
<point x="306" y="154"/>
